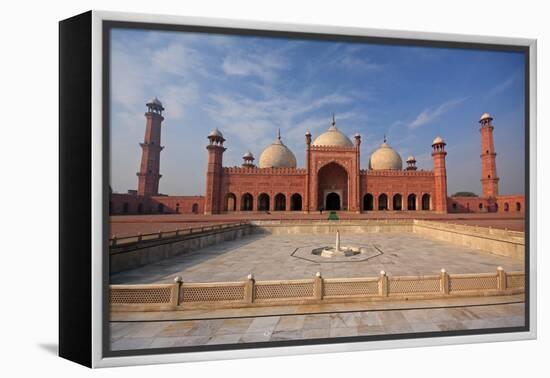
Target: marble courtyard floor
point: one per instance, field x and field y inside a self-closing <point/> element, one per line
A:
<point x="270" y="257"/>
<point x="244" y="325"/>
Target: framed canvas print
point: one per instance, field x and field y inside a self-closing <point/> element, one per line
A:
<point x="232" y="189"/>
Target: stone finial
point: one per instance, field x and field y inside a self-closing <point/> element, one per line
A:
<point x="250" y="276"/>
<point x="382" y="273"/>
<point x="443" y="270"/>
<point x="178" y="279"/>
<point x="318" y="274"/>
<point x="500" y="268"/>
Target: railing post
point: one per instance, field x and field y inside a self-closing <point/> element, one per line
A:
<point x="501" y="279"/>
<point x="444" y="282"/>
<point x="383" y="284"/>
<point x="160" y="234"/>
<point x="176" y="292"/>
<point x="249" y="289"/>
<point x="114" y="240"/>
<point x="318" y="286"/>
<point x="177" y="232"/>
<point x="140" y="237"/>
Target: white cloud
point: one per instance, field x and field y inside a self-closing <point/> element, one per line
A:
<point x="498" y="89"/>
<point x="263" y="66"/>
<point x="431" y="114"/>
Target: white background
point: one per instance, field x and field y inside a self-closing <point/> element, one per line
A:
<point x="29" y="184"/>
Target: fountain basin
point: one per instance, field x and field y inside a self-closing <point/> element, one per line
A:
<point x="330" y="252"/>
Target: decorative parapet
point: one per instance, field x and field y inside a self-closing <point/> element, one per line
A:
<point x="395" y="172"/>
<point x="185" y="296"/>
<point x="263" y="171"/>
<point x="333" y="148"/>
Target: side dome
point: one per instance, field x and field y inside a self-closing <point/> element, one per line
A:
<point x="385" y="157"/>
<point x="277" y="155"/>
<point x="333" y="137"/>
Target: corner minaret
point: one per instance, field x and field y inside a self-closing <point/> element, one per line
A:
<point x="489" y="179"/>
<point x="308" y="171"/>
<point x="213" y="200"/>
<point x="440" y="175"/>
<point x="148" y="175"/>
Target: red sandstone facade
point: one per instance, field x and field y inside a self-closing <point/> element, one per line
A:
<point x="331" y="180"/>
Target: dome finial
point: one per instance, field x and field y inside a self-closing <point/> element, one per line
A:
<point x="279" y="133"/>
<point x="333" y="119"/>
<point x="385" y="139"/>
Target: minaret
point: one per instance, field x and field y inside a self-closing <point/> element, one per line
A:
<point x="489" y="179"/>
<point x="148" y="175"/>
<point x="213" y="200"/>
<point x="357" y="138"/>
<point x="308" y="171"/>
<point x="440" y="175"/>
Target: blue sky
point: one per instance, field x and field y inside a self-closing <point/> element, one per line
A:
<point x="248" y="87"/>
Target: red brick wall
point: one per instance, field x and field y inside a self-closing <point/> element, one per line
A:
<point x="514" y="203"/>
<point x="179" y="204"/>
<point x="238" y="181"/>
<point x="391" y="183"/>
<point x="468" y="204"/>
<point x="121" y="204"/>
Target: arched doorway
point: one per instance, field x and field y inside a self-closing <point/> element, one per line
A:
<point x="397" y="201"/>
<point x="382" y="202"/>
<point x="195" y="208"/>
<point x="426" y="202"/>
<point x="263" y="202"/>
<point x="368" y="202"/>
<point x="411" y="202"/>
<point x="280" y="202"/>
<point x="506" y="206"/>
<point x="333" y="201"/>
<point x="518" y="206"/>
<point x="296" y="202"/>
<point x="230" y="202"/>
<point x="332" y="179"/>
<point x="246" y="202"/>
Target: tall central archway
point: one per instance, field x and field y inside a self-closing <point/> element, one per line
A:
<point x="332" y="182"/>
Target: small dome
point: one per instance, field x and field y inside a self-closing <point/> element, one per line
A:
<point x="248" y="155"/>
<point x="438" y="140"/>
<point x="332" y="137"/>
<point x="215" y="133"/>
<point x="485" y="116"/>
<point x="385" y="157"/>
<point x="277" y="155"/>
<point x="411" y="158"/>
<point x="155" y="101"/>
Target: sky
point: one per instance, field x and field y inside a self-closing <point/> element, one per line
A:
<point x="249" y="87"/>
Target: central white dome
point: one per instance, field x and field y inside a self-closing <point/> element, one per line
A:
<point x="277" y="155"/>
<point x="332" y="137"/>
<point x="385" y="157"/>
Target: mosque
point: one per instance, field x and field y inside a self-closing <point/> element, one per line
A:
<point x="332" y="178"/>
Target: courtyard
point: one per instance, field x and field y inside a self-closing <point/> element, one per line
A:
<point x="278" y="257"/>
